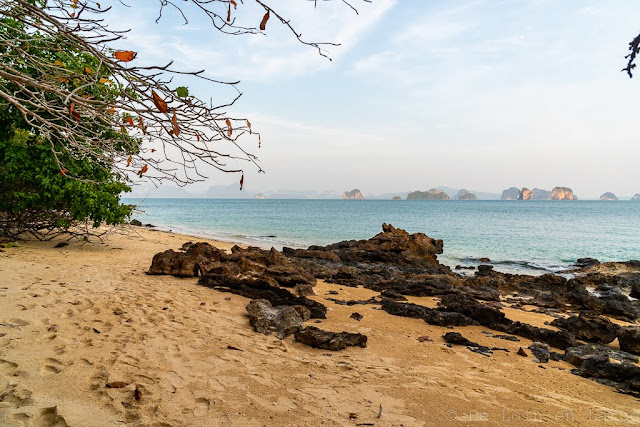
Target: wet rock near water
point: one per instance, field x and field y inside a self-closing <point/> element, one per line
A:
<point x="334" y="341"/>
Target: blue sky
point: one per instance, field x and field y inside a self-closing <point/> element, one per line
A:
<point x="479" y="94"/>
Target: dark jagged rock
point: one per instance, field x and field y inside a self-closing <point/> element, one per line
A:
<point x="333" y="341"/>
<point x="593" y="361"/>
<point x="260" y="287"/>
<point x="456" y="338"/>
<point x="353" y="302"/>
<point x="506" y="337"/>
<point x="484" y="270"/>
<point x="482" y="313"/>
<point x="392" y="295"/>
<point x="282" y="320"/>
<point x="357" y="316"/>
<point x="540" y="351"/>
<point x="629" y="338"/>
<point x="557" y="339"/>
<point x="522" y="353"/>
<point x="588" y="327"/>
<point x="429" y="315"/>
<point x="136" y="223"/>
<point x="187" y="263"/>
<point x="586" y="262"/>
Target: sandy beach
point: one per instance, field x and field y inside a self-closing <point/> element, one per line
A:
<point x="76" y="319"/>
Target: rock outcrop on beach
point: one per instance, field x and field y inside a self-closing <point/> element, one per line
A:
<point x="465" y="195"/>
<point x="525" y="194"/>
<point x="608" y="196"/>
<point x="395" y="264"/>
<point x="562" y="193"/>
<point x="511" y="193"/>
<point x="354" y="194"/>
<point x="431" y="194"/>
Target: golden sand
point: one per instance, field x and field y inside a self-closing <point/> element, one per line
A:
<point x="76" y="318"/>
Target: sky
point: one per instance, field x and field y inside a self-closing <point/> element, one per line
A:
<point x="482" y="94"/>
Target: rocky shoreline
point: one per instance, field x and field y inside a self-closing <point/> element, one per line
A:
<point x="592" y="310"/>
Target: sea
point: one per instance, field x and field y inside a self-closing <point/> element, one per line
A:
<point x="525" y="237"/>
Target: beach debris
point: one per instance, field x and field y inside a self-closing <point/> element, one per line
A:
<point x="116" y="384"/>
<point x="230" y="347"/>
<point x="334" y="341"/>
<point x="281" y="320"/>
<point x="353" y="416"/>
<point x="357" y="316"/>
<point x="137" y="393"/>
<point x="61" y="245"/>
<point x="118" y="312"/>
<point x="522" y="353"/>
<point x="380" y="412"/>
<point x="506" y="337"/>
<point x="332" y="293"/>
<point x="96" y="330"/>
<point x="425" y="338"/>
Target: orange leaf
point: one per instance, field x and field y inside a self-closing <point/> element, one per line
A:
<point x="73" y="15"/>
<point x="103" y="81"/>
<point x="129" y="161"/>
<point x="142" y="126"/>
<point x="98" y="4"/>
<point x="229" y="13"/>
<point x="58" y="63"/>
<point x="153" y="150"/>
<point x="235" y="5"/>
<point x="242" y="181"/>
<point x="197" y="136"/>
<point x="73" y="112"/>
<point x="162" y="106"/>
<point x="249" y="126"/>
<point x="230" y="128"/>
<point x="88" y="70"/>
<point x="129" y="120"/>
<point x="64" y="172"/>
<point x="112" y="110"/>
<point x="263" y="23"/>
<point x="143" y="170"/>
<point x="174" y="121"/>
<point x="125" y="55"/>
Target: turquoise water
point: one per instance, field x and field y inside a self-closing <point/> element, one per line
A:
<point x="531" y="236"/>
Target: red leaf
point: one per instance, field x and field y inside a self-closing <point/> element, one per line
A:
<point x="263" y="23"/>
<point x="129" y="161"/>
<point x="174" y="121"/>
<point x="73" y="112"/>
<point x="153" y="150"/>
<point x="64" y="172"/>
<point x="229" y="13"/>
<point x="143" y="170"/>
<point x="235" y="5"/>
<point x="130" y="121"/>
<point x="230" y="131"/>
<point x="162" y="106"/>
<point x="125" y="55"/>
<point x="242" y="181"/>
<point x="249" y="126"/>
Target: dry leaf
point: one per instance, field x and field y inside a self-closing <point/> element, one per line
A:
<point x="64" y="172"/>
<point x="130" y="121"/>
<point x="162" y="106"/>
<point x="174" y="121"/>
<point x="263" y="23"/>
<point x="125" y="55"/>
<point x="197" y="136"/>
<point x="103" y="81"/>
<point x="129" y="161"/>
<point x="153" y="150"/>
<point x="229" y="13"/>
<point x="242" y="181"/>
<point x="88" y="70"/>
<point x="230" y="131"/>
<point x="116" y="384"/>
<point x="137" y="393"/>
<point x="144" y="169"/>
<point x="249" y="126"/>
<point x="235" y="5"/>
<point x="58" y="63"/>
<point x="73" y="112"/>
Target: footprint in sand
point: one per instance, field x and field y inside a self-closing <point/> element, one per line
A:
<point x="202" y="407"/>
<point x="48" y="417"/>
<point x="52" y="365"/>
<point x="7" y="368"/>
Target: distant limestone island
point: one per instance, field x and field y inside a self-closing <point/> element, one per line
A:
<point x="609" y="196"/>
<point x="432" y="194"/>
<point x="636" y="197"/>
<point x="558" y="193"/>
<point x="354" y="194"/>
<point x="260" y="196"/>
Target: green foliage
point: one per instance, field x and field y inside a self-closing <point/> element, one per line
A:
<point x="45" y="184"/>
<point x="33" y="185"/>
